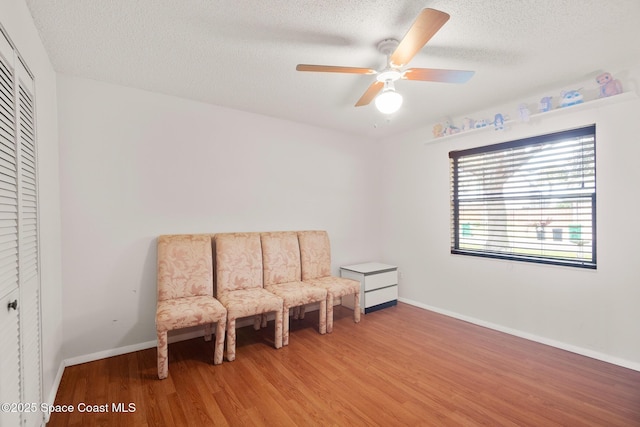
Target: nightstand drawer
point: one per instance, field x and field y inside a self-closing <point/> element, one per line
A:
<point x="380" y="280"/>
<point x="380" y="296"/>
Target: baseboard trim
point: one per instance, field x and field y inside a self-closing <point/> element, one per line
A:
<point x="54" y="390"/>
<point x="531" y="337"/>
<point x="109" y="353"/>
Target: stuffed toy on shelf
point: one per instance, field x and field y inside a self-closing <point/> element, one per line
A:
<point x="608" y="85"/>
<point x="468" y="123"/>
<point x="438" y="130"/>
<point x="524" y="113"/>
<point x="482" y="123"/>
<point x="545" y="104"/>
<point x="570" y="97"/>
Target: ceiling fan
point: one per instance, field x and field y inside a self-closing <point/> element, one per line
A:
<point x="428" y="22"/>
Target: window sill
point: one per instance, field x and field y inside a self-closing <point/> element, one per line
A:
<point x="623" y="97"/>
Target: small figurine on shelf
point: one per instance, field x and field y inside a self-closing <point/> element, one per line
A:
<point x="570" y="97"/>
<point x="498" y="122"/>
<point x="545" y="104"/>
<point x="449" y="128"/>
<point x="608" y="86"/>
<point x="524" y="112"/>
<point x="438" y="130"/>
<point x="482" y="123"/>
<point x="467" y="123"/>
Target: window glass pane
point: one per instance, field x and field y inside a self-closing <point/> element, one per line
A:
<point x="530" y="200"/>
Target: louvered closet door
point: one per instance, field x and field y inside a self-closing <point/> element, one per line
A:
<point x="20" y="358"/>
<point x="8" y="173"/>
<point x="29" y="282"/>
<point x="9" y="331"/>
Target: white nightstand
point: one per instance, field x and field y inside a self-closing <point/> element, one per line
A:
<point x="378" y="285"/>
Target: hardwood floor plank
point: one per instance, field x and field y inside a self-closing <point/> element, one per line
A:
<point x="398" y="366"/>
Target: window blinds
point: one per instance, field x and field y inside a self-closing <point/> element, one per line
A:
<point x="532" y="199"/>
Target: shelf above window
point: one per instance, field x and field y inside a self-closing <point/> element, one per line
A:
<point x="623" y="97"/>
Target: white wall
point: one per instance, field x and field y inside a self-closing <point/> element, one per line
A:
<point x="136" y="164"/>
<point x="591" y="312"/>
<point x="16" y="19"/>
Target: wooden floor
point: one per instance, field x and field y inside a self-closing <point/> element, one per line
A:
<point x="399" y="366"/>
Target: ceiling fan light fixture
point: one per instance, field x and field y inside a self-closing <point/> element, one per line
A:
<point x="399" y="54"/>
<point x="389" y="101"/>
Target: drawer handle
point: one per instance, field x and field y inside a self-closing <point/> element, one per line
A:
<point x="13" y="305"/>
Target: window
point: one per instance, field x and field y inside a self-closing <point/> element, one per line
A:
<point x="531" y="200"/>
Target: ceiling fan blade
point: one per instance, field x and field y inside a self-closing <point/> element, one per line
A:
<point x="370" y="93"/>
<point x="334" y="69"/>
<point x="435" y="75"/>
<point x="425" y="26"/>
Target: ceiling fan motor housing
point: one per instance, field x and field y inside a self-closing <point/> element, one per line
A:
<point x="389" y="74"/>
<point x="388" y="46"/>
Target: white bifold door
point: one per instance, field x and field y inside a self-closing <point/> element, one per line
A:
<point x="20" y="326"/>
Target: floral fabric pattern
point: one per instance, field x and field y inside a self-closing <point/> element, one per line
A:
<point x="238" y="261"/>
<point x="282" y="272"/>
<point x="239" y="284"/>
<point x="255" y="274"/>
<point x="296" y="294"/>
<point x="185" y="268"/>
<point x="248" y="302"/>
<point x="315" y="254"/>
<point x="315" y="257"/>
<point x="185" y="293"/>
<point x="336" y="286"/>
<point x="280" y="257"/>
<point x="189" y="311"/>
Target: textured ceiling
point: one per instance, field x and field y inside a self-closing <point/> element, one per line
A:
<point x="242" y="54"/>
